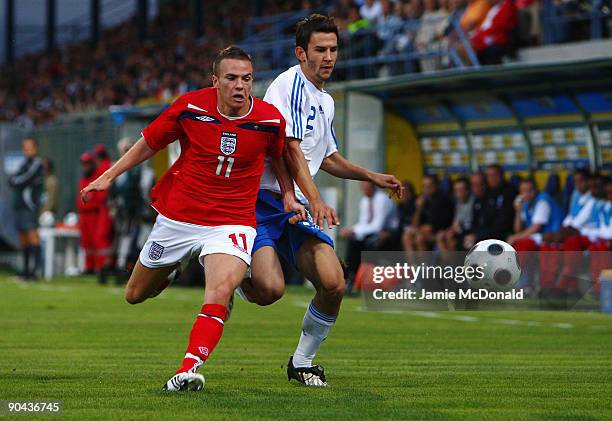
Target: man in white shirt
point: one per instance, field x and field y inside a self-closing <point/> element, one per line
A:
<point x="371" y="10"/>
<point x="310" y="144"/>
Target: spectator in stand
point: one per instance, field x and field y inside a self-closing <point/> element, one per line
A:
<point x="88" y="212"/>
<point x="475" y="14"/>
<point x="494" y="38"/>
<point x="433" y="24"/>
<point x="374" y="209"/>
<point x="371" y="10"/>
<point x="51" y="188"/>
<point x="27" y="184"/>
<point x="434" y="212"/>
<point x="497" y="213"/>
<point x="403" y="42"/>
<point x="449" y="239"/>
<point x="340" y="12"/>
<point x="530" y="29"/>
<point x="387" y="26"/>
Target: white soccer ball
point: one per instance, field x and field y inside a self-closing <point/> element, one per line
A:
<point x="495" y="264"/>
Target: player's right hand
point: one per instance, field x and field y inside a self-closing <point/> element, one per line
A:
<point x="299" y="209"/>
<point x="99" y="184"/>
<point x="321" y="212"/>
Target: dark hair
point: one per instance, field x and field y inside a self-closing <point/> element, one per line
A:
<point x="432" y="177"/>
<point x="497" y="168"/>
<point x="531" y="181"/>
<point x="314" y="23"/>
<point x="465" y="182"/>
<point x="584" y="172"/>
<point x="233" y="52"/>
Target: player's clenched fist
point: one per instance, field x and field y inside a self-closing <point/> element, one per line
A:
<point x="99" y="184"/>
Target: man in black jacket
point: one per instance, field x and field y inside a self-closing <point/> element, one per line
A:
<point x="495" y="218"/>
<point x="434" y="212"/>
<point x="27" y="184"/>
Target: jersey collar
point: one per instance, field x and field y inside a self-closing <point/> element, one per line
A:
<point x="308" y="83"/>
<point x="237" y="118"/>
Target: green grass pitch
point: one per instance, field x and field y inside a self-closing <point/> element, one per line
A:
<point x="74" y="341"/>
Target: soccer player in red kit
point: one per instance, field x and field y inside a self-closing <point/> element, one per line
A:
<point x="206" y="200"/>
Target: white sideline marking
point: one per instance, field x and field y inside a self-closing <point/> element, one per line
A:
<point x="507" y="322"/>
<point x="465" y="318"/>
<point x="301" y="303"/>
<point x="563" y="325"/>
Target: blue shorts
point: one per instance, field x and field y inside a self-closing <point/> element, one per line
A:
<point x="274" y="229"/>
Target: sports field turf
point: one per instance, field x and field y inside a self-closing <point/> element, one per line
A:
<point x="74" y="341"/>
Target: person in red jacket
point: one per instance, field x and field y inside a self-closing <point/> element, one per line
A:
<point x="104" y="228"/>
<point x="88" y="212"/>
<point x="494" y="37"/>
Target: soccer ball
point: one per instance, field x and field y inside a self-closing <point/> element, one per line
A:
<point x="495" y="265"/>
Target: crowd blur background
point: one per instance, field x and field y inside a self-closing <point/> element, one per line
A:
<point x="161" y="49"/>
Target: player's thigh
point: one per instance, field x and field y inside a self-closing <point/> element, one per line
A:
<point x="223" y="274"/>
<point x="318" y="262"/>
<point x="144" y="281"/>
<point x="225" y="255"/>
<point x="267" y="273"/>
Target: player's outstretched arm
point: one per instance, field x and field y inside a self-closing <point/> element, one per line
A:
<point x="137" y="154"/>
<point x="298" y="167"/>
<point x="340" y="167"/>
<point x="290" y="203"/>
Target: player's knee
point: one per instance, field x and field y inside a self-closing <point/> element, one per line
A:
<point x="335" y="287"/>
<point x="222" y="292"/>
<point x="271" y="294"/>
<point x="132" y="296"/>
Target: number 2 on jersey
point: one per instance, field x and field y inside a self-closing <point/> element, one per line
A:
<point x="230" y="163"/>
<point x="235" y="240"/>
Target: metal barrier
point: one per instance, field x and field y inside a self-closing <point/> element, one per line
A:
<point x="364" y="55"/>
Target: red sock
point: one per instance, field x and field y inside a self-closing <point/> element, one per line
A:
<point x="205" y="334"/>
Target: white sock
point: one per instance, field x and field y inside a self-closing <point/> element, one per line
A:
<point x="315" y="327"/>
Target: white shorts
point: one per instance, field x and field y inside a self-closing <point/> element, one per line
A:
<point x="171" y="242"/>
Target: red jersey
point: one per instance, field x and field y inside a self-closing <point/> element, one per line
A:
<point x="216" y="178"/>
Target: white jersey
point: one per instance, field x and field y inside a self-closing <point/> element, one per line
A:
<point x="309" y="113"/>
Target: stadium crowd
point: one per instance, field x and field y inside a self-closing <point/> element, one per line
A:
<point x="454" y="215"/>
<point x="123" y="70"/>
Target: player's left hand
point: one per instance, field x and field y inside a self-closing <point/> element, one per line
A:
<point x="298" y="208"/>
<point x="388" y="181"/>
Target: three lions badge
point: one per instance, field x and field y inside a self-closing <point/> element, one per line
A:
<point x="228" y="143"/>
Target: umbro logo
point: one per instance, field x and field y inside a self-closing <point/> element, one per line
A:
<point x="203" y="350"/>
<point x="205" y="118"/>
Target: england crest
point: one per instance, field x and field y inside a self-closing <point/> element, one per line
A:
<point x="156" y="251"/>
<point x="228" y="143"/>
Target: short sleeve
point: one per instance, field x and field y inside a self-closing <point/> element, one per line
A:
<point x="276" y="145"/>
<point x="287" y="94"/>
<point x="166" y="128"/>
<point x="541" y="213"/>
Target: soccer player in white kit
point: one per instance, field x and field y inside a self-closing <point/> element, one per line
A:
<point x="310" y="144"/>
